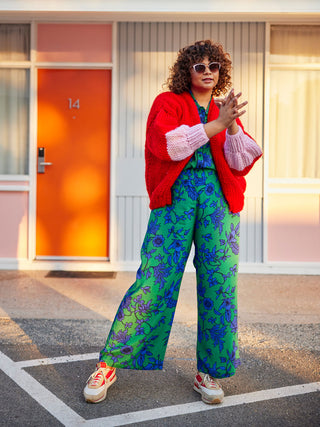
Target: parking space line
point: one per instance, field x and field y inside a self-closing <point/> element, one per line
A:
<point x="39" y="393"/>
<point x="73" y="358"/>
<point x="55" y="360"/>
<point x="194" y="407"/>
<point x="69" y="418"/>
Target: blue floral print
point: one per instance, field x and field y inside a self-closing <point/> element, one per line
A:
<point x="198" y="214"/>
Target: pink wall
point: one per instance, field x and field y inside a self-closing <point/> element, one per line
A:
<point x="294" y="227"/>
<point x="74" y="43"/>
<point x="14" y="224"/>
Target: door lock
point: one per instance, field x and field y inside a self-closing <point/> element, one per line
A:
<point x="41" y="162"/>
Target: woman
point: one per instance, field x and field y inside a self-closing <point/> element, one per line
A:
<point x="196" y="155"/>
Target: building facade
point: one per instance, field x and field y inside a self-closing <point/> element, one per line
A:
<point x="77" y="80"/>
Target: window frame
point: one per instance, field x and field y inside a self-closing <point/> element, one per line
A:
<point x="274" y="184"/>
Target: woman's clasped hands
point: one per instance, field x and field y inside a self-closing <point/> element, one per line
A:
<point x="230" y="110"/>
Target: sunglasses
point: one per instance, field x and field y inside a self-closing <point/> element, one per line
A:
<point x="201" y="68"/>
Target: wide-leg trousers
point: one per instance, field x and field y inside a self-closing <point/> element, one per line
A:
<point x="139" y="334"/>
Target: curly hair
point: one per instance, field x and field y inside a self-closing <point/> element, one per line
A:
<point x="179" y="79"/>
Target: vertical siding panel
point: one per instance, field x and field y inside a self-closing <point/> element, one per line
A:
<point x="259" y="227"/>
<point x="260" y="80"/>
<point x="153" y="76"/>
<point x="243" y="235"/>
<point x="169" y="54"/>
<point x="162" y="72"/>
<point x="229" y="41"/>
<point x="122" y="78"/>
<point x="144" y="217"/>
<point x="222" y="33"/>
<point x="257" y="220"/>
<point x="129" y="228"/>
<point x="236" y="58"/>
<point x="136" y="227"/>
<point x="122" y="234"/>
<point x="215" y="32"/>
<point x="176" y="42"/>
<point x="117" y="231"/>
<point x="184" y="30"/>
<point x="244" y="85"/>
<point x="247" y="237"/>
<point x="250" y="230"/>
<point x="255" y="109"/>
<point x="207" y="30"/>
<point x="137" y="90"/>
<point x="198" y="31"/>
<point x="133" y="83"/>
<point x="252" y="77"/>
<point x="191" y="35"/>
<point x="129" y="95"/>
<point x="145" y="63"/>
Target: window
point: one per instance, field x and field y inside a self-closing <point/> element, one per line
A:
<point x="14" y="98"/>
<point x="294" y="102"/>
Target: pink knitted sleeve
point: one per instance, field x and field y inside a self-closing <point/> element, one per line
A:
<point x="240" y="150"/>
<point x="185" y="140"/>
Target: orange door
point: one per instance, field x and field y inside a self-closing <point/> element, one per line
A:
<point x="74" y="137"/>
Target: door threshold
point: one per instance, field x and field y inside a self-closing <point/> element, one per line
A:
<point x="70" y="258"/>
<point x="81" y="274"/>
<point x="85" y="265"/>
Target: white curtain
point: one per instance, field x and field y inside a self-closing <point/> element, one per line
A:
<point x="295" y="44"/>
<point x="14" y="100"/>
<point x="14" y="113"/>
<point x="14" y="42"/>
<point x="294" y="126"/>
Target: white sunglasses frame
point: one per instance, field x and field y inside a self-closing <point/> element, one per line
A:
<point x="206" y="66"/>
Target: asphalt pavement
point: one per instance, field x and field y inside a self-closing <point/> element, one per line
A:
<point x="52" y="328"/>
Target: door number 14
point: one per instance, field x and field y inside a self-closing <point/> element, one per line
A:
<point x="74" y="104"/>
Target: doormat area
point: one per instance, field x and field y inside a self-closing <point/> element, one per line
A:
<point x="82" y="274"/>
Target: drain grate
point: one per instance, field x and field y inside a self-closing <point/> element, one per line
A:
<point x="82" y="274"/>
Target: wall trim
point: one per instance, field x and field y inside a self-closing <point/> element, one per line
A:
<point x="285" y="268"/>
<point x="292" y="268"/>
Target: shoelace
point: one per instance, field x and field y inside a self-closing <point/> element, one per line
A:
<point x="96" y="378"/>
<point x="211" y="380"/>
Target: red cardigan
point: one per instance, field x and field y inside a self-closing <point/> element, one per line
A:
<point x="169" y="111"/>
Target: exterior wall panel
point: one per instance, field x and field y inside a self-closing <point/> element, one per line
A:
<point x="14" y="224"/>
<point x="146" y="51"/>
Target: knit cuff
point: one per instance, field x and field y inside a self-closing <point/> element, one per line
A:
<point x="240" y="150"/>
<point x="185" y="140"/>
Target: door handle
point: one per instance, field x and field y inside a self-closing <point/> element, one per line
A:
<point x="41" y="162"/>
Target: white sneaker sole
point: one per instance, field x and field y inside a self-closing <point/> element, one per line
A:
<point x="210" y="400"/>
<point x="90" y="398"/>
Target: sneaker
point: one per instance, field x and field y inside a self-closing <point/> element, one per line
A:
<point x="98" y="383"/>
<point x="209" y="388"/>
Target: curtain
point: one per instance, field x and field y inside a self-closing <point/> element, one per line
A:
<point x="14" y="100"/>
<point x="14" y="42"/>
<point x="14" y="106"/>
<point x="294" y="105"/>
<point x="295" y="124"/>
<point x="295" y="44"/>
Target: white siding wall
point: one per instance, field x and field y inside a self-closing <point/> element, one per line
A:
<point x="145" y="52"/>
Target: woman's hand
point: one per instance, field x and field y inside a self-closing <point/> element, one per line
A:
<point x="230" y="110"/>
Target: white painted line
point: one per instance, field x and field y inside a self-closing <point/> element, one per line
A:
<point x="39" y="393"/>
<point x="73" y="358"/>
<point x="191" y="408"/>
<point x="55" y="360"/>
<point x="70" y="418"/>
